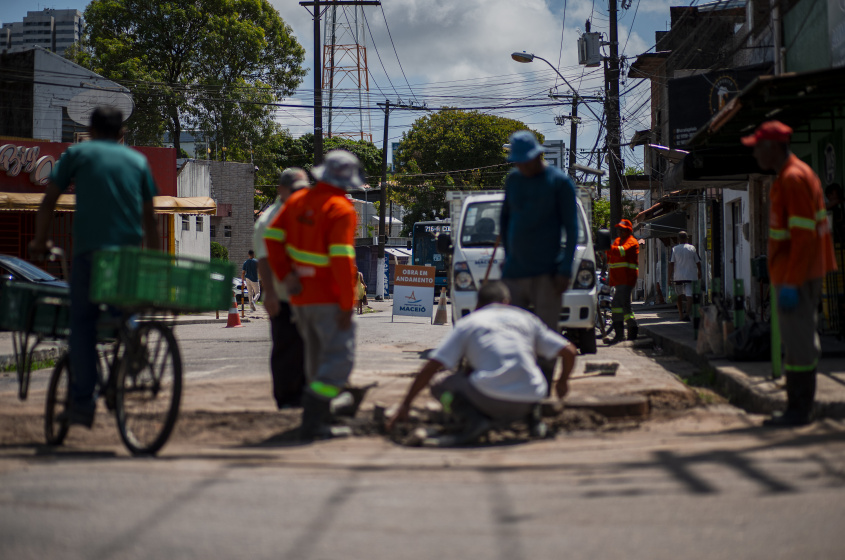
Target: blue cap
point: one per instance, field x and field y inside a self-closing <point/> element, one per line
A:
<point x="524" y="147"/>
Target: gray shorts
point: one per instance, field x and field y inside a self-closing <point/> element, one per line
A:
<point x="459" y="384"/>
<point x="798" y="329"/>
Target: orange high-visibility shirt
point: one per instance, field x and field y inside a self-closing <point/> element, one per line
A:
<point x="623" y="262"/>
<point x="314" y="234"/>
<point x="800" y="242"/>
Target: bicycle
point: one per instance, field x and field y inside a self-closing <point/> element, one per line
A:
<point x="143" y="386"/>
<point x="139" y="366"/>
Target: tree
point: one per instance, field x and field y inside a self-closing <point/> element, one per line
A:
<point x="451" y="141"/>
<point x="214" y="65"/>
<point x="449" y="148"/>
<point x="219" y="252"/>
<point x="601" y="213"/>
<point x="300" y="153"/>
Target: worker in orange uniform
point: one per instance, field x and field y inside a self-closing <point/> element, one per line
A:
<point x="623" y="266"/>
<point x="311" y="248"/>
<point x="800" y="254"/>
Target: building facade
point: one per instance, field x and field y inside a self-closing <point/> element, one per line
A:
<point x="54" y="30"/>
<point x="233" y="189"/>
<point x="721" y="70"/>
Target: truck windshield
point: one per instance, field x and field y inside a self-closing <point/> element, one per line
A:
<point x="481" y="225"/>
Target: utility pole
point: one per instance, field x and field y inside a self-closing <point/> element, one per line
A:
<point x="318" y="67"/>
<point x="381" y="268"/>
<point x="382" y="238"/>
<point x="613" y="125"/>
<point x="573" y="125"/>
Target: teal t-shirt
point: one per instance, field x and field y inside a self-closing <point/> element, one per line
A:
<point x="112" y="183"/>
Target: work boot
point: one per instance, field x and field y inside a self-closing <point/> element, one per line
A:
<point x="619" y="328"/>
<point x="316" y="414"/>
<point x="800" y="393"/>
<point x="633" y="329"/>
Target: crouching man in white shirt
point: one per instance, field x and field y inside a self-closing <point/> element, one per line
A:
<point x="502" y="382"/>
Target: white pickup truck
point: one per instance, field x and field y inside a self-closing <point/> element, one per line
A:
<point x="475" y="227"/>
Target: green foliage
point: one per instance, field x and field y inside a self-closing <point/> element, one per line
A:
<point x="601" y="213"/>
<point x="205" y="65"/>
<point x="449" y="141"/>
<point x="299" y="152"/>
<point x="631" y="170"/>
<point x="219" y="252"/>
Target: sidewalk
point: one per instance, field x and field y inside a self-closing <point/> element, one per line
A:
<point x="747" y="384"/>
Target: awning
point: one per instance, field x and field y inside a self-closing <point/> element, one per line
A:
<point x="665" y="226"/>
<point x="795" y="99"/>
<point x="184" y="205"/>
<point x="398" y="252"/>
<point x="30" y="202"/>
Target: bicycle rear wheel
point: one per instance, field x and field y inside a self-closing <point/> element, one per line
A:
<point x="148" y="388"/>
<point x="55" y="430"/>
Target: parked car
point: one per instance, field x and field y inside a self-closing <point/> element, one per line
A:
<point x="18" y="270"/>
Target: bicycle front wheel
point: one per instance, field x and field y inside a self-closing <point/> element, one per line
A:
<point x="148" y="388"/>
<point x="58" y="396"/>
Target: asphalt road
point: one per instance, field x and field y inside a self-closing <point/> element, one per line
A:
<point x="707" y="482"/>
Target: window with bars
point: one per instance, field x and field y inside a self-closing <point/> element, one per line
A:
<point x="227" y="231"/>
<point x="199" y="223"/>
<point x="186" y="223"/>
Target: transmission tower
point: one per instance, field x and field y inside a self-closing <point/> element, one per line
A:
<point x="345" y="75"/>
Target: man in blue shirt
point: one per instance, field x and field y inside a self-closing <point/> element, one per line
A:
<point x="114" y="207"/>
<point x="249" y="274"/>
<point x="539" y="207"/>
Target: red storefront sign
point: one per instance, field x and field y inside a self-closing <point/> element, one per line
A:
<point x="25" y="165"/>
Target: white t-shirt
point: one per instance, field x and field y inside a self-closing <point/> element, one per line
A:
<point x="501" y="343"/>
<point x="261" y="225"/>
<point x="685" y="259"/>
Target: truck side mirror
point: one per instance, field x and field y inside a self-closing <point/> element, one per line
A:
<point x="444" y="243"/>
<point x="603" y="240"/>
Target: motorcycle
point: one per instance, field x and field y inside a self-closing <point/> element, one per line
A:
<point x="604" y="316"/>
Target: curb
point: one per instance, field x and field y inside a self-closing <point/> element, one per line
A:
<point x="733" y="385"/>
<point x="7" y="360"/>
<point x="753" y="395"/>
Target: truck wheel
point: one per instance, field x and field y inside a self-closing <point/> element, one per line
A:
<point x="587" y="341"/>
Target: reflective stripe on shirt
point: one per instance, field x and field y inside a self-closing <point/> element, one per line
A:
<point x="342" y="251"/>
<point x="275" y="234"/>
<point x="304" y="257"/>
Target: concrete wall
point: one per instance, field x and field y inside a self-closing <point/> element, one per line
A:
<point x="194" y="179"/>
<point x="233" y="184"/>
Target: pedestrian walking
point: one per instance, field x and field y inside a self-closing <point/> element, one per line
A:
<point x="800" y="254"/>
<point x="114" y="190"/>
<point x="249" y="274"/>
<point x="287" y="356"/>
<point x="539" y="208"/>
<point x="311" y="246"/>
<point x="502" y="382"/>
<point x="623" y="266"/>
<point x="684" y="269"/>
<point x="360" y="292"/>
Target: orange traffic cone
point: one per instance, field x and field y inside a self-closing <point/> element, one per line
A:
<point x="440" y="318"/>
<point x="234" y="317"/>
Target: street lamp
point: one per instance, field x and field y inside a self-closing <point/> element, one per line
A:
<point x="525" y="57"/>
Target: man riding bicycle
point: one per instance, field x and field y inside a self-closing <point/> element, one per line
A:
<point x="114" y="190"/>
